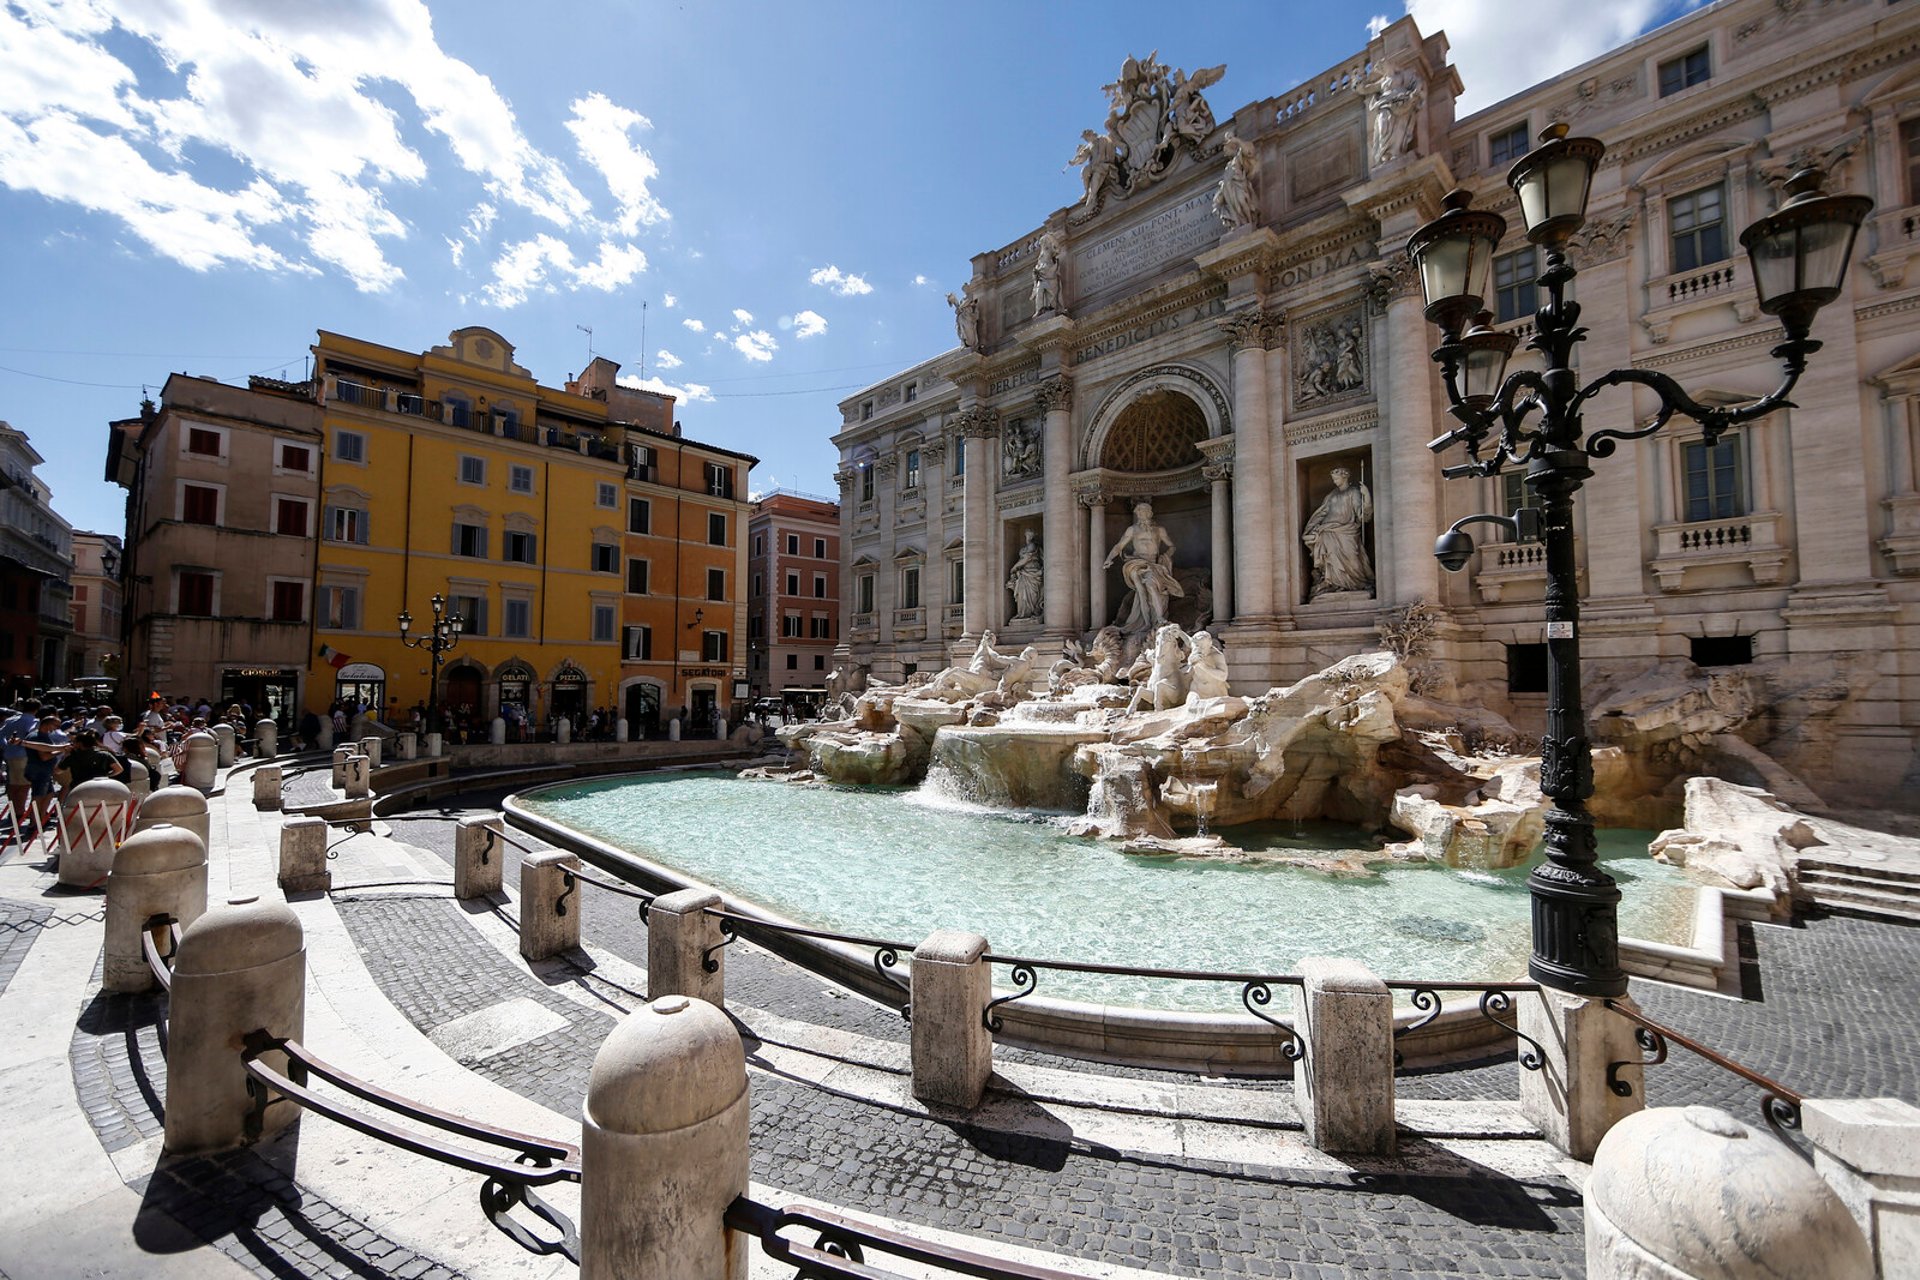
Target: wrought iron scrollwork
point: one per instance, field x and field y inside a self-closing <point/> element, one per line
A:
<point x="1427" y="1000"/>
<point x="498" y="1198"/>
<point x="1781" y="1114"/>
<point x="884" y="958"/>
<point x="646" y="905"/>
<point x="1024" y="980"/>
<point x="710" y="958"/>
<point x="1652" y="1044"/>
<point x="1495" y="1003"/>
<point x="569" y="882"/>
<point x="1256" y="996"/>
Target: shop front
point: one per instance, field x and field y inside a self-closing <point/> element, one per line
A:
<point x="272" y="692"/>
<point x="361" y="686"/>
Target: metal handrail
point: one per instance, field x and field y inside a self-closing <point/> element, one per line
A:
<point x="162" y="965"/>
<point x="1496" y="998"/>
<point x="537" y="1162"/>
<point x="1780" y="1107"/>
<point x="841" y="1244"/>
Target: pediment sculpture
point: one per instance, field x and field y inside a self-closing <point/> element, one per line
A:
<point x="1151" y="113"/>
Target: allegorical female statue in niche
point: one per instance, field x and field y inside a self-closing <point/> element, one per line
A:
<point x="1025" y="581"/>
<point x="1336" y="538"/>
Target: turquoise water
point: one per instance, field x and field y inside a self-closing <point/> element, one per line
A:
<point x="897" y="864"/>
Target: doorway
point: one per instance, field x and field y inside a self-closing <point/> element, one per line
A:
<point x="643" y="710"/>
<point x="703" y="715"/>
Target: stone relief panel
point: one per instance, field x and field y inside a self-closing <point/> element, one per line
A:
<point x="1330" y="360"/>
<point x="1020" y="455"/>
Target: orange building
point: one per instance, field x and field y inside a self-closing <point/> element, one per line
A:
<point x="793" y="600"/>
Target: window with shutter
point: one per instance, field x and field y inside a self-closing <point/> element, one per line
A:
<point x="199" y="504"/>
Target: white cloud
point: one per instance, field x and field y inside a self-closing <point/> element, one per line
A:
<point x="842" y="283"/>
<point x="600" y="128"/>
<point x="809" y="324"/>
<point x="456" y="248"/>
<point x="692" y="392"/>
<point x="666" y="359"/>
<point x="545" y="263"/>
<point x="742" y="317"/>
<point x="757" y="345"/>
<point x="317" y="110"/>
<point x="697" y="326"/>
<point x="1557" y="35"/>
<point x="921" y="281"/>
<point x="669" y="301"/>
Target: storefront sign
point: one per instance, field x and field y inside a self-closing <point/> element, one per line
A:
<point x="692" y="672"/>
<point x="361" y="671"/>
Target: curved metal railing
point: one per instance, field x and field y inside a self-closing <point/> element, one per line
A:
<point x="1779" y="1105"/>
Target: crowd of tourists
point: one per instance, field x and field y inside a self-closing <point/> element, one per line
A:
<point x="50" y="745"/>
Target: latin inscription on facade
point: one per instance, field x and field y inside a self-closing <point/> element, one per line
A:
<point x="1153" y="328"/>
<point x="1178" y="232"/>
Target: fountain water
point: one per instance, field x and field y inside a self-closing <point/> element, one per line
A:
<point x="1203" y="798"/>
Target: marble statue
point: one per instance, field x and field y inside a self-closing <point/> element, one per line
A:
<point x="1019" y="676"/>
<point x="1165" y="681"/>
<point x="1393" y="102"/>
<point x="1138" y="117"/>
<point x="1046" y="273"/>
<point x="1237" y="198"/>
<point x="1147" y="569"/>
<point x="1189" y="117"/>
<point x="981" y="673"/>
<point x="1025" y="581"/>
<point x="1206" y="669"/>
<point x="1099" y="158"/>
<point x="966" y="317"/>
<point x="1336" y="538"/>
<point x="1020" y="449"/>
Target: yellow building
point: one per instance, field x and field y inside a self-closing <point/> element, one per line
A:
<point x="453" y="471"/>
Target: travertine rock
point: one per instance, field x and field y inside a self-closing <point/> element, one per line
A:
<point x="1742" y="835"/>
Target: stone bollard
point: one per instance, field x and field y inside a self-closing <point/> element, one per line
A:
<point x="562" y="731"/>
<point x="479" y="856"/>
<point x="497" y="732"/>
<point x="1344" y="1085"/>
<point x="323" y="741"/>
<point x="266" y="739"/>
<point x="549" y="904"/>
<point x="720" y="729"/>
<point x="663" y="1146"/>
<point x="226" y="744"/>
<point x="359" y="777"/>
<point x="406" y="746"/>
<point x="266" y="786"/>
<point x="160" y="872"/>
<point x="1686" y="1192"/>
<point x="620" y="729"/>
<point x="952" y="1049"/>
<point x="673" y="729"/>
<point x="341" y="754"/>
<point x="435" y="746"/>
<point x="1868" y="1150"/>
<point x="93" y="816"/>
<point x="680" y="933"/>
<point x="370" y="748"/>
<point x="241" y="967"/>
<point x="200" y="762"/>
<point x="139" y="778"/>
<point x="180" y="806"/>
<point x="303" y="856"/>
<point x="1569" y="1098"/>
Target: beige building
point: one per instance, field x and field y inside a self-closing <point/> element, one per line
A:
<point x="222" y="511"/>
<point x="1228" y="320"/>
<point x="793" y="602"/>
<point x="94" y="649"/>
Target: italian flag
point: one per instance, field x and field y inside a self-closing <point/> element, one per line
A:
<point x="334" y="658"/>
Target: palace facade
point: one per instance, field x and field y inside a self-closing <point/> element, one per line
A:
<point x="1227" y="327"/>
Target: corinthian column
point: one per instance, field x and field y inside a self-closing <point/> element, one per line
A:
<point x="1218" y="469"/>
<point x="1055" y="400"/>
<point x="1096" y="504"/>
<point x="1253" y="538"/>
<point x="979" y="424"/>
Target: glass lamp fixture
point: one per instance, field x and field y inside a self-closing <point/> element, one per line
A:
<point x="1800" y="252"/>
<point x="406" y="622"/>
<point x="1484" y="352"/>
<point x="1454" y="255"/>
<point x="1553" y="182"/>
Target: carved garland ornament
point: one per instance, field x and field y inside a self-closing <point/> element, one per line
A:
<point x="1602" y="239"/>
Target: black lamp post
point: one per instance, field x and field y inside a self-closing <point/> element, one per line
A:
<point x="1799" y="256"/>
<point x="441" y="636"/>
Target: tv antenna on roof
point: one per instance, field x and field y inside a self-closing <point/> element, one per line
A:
<point x="643" y="341"/>
<point x="588" y="330"/>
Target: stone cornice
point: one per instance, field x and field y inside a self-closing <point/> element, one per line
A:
<point x="1767" y="337"/>
<point x="1891" y="307"/>
<point x="1352" y="422"/>
<point x="1418" y="186"/>
<point x="1217" y="453"/>
<point x="1194" y="294"/>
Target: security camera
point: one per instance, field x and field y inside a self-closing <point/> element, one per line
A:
<point x="1453" y="549"/>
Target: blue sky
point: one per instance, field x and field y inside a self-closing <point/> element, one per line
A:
<point x="790" y="189"/>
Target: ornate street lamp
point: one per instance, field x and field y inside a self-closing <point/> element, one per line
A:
<point x="1799" y="255"/>
<point x="442" y="635"/>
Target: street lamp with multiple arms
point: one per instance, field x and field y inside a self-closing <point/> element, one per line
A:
<point x="1532" y="419"/>
<point x="442" y="635"/>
